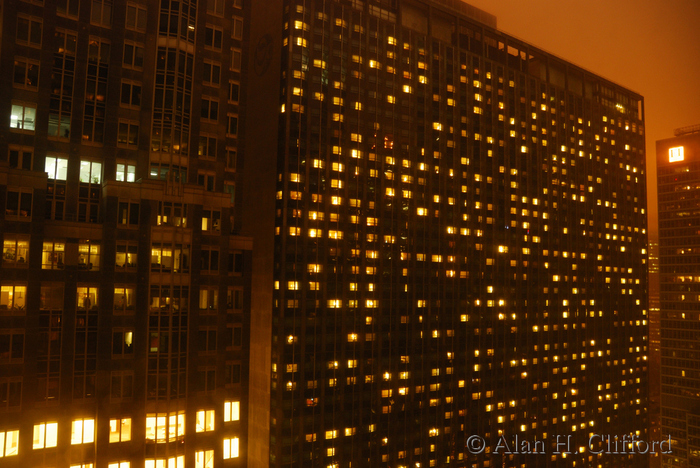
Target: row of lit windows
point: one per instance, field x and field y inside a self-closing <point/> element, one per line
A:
<point x="157" y="425"/>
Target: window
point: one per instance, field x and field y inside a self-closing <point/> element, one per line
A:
<point x="82" y="431"/>
<point x="207" y="146"/>
<point x="119" y="464"/>
<point x="206" y="339"/>
<point x="168" y="258"/>
<point x="205" y="420"/>
<point x="101" y="13"/>
<point x="232" y="127"/>
<point x="124" y="300"/>
<point x="12" y="297"/>
<point x="206" y="379"/>
<point x="56" y="168"/>
<point x="212" y="73"/>
<point x="90" y="172"/>
<point x="206" y="181"/>
<point x="237" y="28"/>
<point x="234" y="337"/>
<point x="15" y="250"/>
<point x="52" y="255"/>
<point x="96" y="88"/>
<point x="210" y="260"/>
<point x="231" y="156"/>
<point x="126" y="255"/>
<point x="122" y="342"/>
<point x="210" y="109"/>
<point x="231" y="448"/>
<point x="126" y="172"/>
<point x="160" y="424"/>
<point x="121" y="385"/>
<point x="234" y="298"/>
<point x="10" y="396"/>
<point x="68" y="8"/>
<point x="211" y="220"/>
<point x="19" y="204"/>
<point x="26" y="73"/>
<point x="233" y="373"/>
<point x="131" y="94"/>
<point x="133" y="55"/>
<point x="20" y="157"/>
<point x="234" y="91"/>
<point x="213" y="37"/>
<point x="215" y="7"/>
<point x="11" y="347"/>
<point x="172" y="462"/>
<point x="88" y="255"/>
<point x="23" y="116"/>
<point x="169" y="300"/>
<point x="135" y="17"/>
<point x="172" y="214"/>
<point x="128" y="133"/>
<point x="236" y="59"/>
<point x="45" y="435"/>
<point x="208" y="298"/>
<point x="232" y="411"/>
<point x="230" y="188"/>
<point x="128" y="213"/>
<point x="87" y="298"/>
<point x="9" y="443"/>
<point x="204" y="459"/>
<point x="235" y="262"/>
<point x="120" y="430"/>
<point x="29" y="31"/>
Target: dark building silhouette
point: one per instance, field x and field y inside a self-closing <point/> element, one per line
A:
<point x="678" y="162"/>
<point x="125" y="282"/>
<point x="460" y="242"/>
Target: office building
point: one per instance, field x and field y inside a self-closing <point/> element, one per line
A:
<point x="125" y="281"/>
<point x="678" y="162"/>
<point x="460" y="241"/>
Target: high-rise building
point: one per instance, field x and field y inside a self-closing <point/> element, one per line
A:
<point x="460" y="242"/>
<point x="678" y="162"/>
<point x="125" y="281"/>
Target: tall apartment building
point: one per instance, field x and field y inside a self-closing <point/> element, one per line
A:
<point x="460" y="242"/>
<point x="125" y="281"/>
<point x="678" y="162"/>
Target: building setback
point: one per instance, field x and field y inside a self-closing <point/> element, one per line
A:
<point x="124" y="308"/>
<point x="678" y="162"/>
<point x="460" y="244"/>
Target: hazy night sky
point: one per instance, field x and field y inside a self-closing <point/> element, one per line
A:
<point x="649" y="46"/>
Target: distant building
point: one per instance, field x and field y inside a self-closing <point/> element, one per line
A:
<point x="125" y="284"/>
<point x="678" y="161"/>
<point x="460" y="241"/>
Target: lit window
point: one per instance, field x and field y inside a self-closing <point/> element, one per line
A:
<point x="125" y="172"/>
<point x="45" y="435"/>
<point x="23" y="116"/>
<point x="205" y="420"/>
<point x="90" y="172"/>
<point x="119" y="430"/>
<point x="204" y="459"/>
<point x="9" y="443"/>
<point x="82" y="431"/>
<point x="120" y="464"/>
<point x="232" y="411"/>
<point x="231" y="448"/>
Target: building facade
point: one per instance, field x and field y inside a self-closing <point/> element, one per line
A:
<point x="678" y="162"/>
<point x="460" y="245"/>
<point x="125" y="280"/>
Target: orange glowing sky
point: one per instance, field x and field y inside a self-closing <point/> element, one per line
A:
<point x="649" y="46"/>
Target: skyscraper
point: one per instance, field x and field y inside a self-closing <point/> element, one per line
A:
<point x="125" y="282"/>
<point x="678" y="161"/>
<point x="460" y="243"/>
